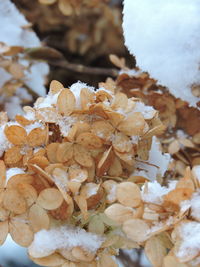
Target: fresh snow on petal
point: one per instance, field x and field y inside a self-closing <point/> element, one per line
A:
<point x="64" y="237"/>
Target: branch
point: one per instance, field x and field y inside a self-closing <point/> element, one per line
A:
<point x="56" y="58"/>
<point x="84" y="69"/>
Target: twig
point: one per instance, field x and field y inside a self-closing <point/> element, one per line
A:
<point x="84" y="69"/>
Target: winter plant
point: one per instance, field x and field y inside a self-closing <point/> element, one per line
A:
<point x="87" y="171"/>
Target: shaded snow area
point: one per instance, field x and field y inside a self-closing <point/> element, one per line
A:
<point x="14" y="33"/>
<point x="164" y="36"/>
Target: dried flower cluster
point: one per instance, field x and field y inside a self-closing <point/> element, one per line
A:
<point x="165" y="220"/>
<point x="182" y="136"/>
<point x="62" y="164"/>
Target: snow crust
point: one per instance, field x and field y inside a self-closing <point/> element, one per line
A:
<point x="164" y="36"/>
<point x="65" y="237"/>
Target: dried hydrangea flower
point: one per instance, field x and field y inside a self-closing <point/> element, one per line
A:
<point x="65" y="162"/>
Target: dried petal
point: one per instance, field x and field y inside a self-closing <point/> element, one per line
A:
<point x="16" y="134"/>
<point x="66" y="100"/>
<point x="50" y="199"/>
<point x="38" y="218"/>
<point x="128" y="194"/>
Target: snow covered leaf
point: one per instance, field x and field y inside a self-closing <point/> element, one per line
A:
<point x="103" y="129"/>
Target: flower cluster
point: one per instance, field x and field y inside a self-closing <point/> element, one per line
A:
<point x="65" y="161"/>
<point x="165" y="220"/>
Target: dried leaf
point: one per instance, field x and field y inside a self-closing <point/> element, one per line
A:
<point x="133" y="124"/>
<point x="89" y="140"/>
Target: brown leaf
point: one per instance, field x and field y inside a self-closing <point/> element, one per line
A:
<point x="66" y="102"/>
<point x="16" y="134"/>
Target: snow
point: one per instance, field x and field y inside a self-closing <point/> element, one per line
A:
<point x="164" y="37"/>
<point x="76" y="89"/>
<point x="4" y="143"/>
<point x="34" y="125"/>
<point x="196" y="172"/>
<point x="157" y="163"/>
<point x="48" y="101"/>
<point x="65" y="237"/>
<point x="190" y="235"/>
<point x="13" y="171"/>
<point x="153" y="192"/>
<point x="147" y="111"/>
<point x="193" y="204"/>
<point x="12" y="33"/>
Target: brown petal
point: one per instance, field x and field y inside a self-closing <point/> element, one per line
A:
<point x="2" y="174"/>
<point x="3" y="231"/>
<point x="20" y="232"/>
<point x="14" y="202"/>
<point x="128" y="194"/>
<point x="38" y="218"/>
<point x="66" y="101"/>
<point x="28" y="192"/>
<point x="119" y="213"/>
<point x="16" y="134"/>
<point x="82" y="156"/>
<point x="37" y="137"/>
<point x="136" y="230"/>
<point x="53" y="260"/>
<point x="89" y="140"/>
<point x="105" y="162"/>
<point x="50" y="199"/>
<point x="132" y="124"/>
<point x="51" y="152"/>
<point x="55" y="86"/>
<point x="64" y="152"/>
<point x="13" y="155"/>
<point x="121" y="143"/>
